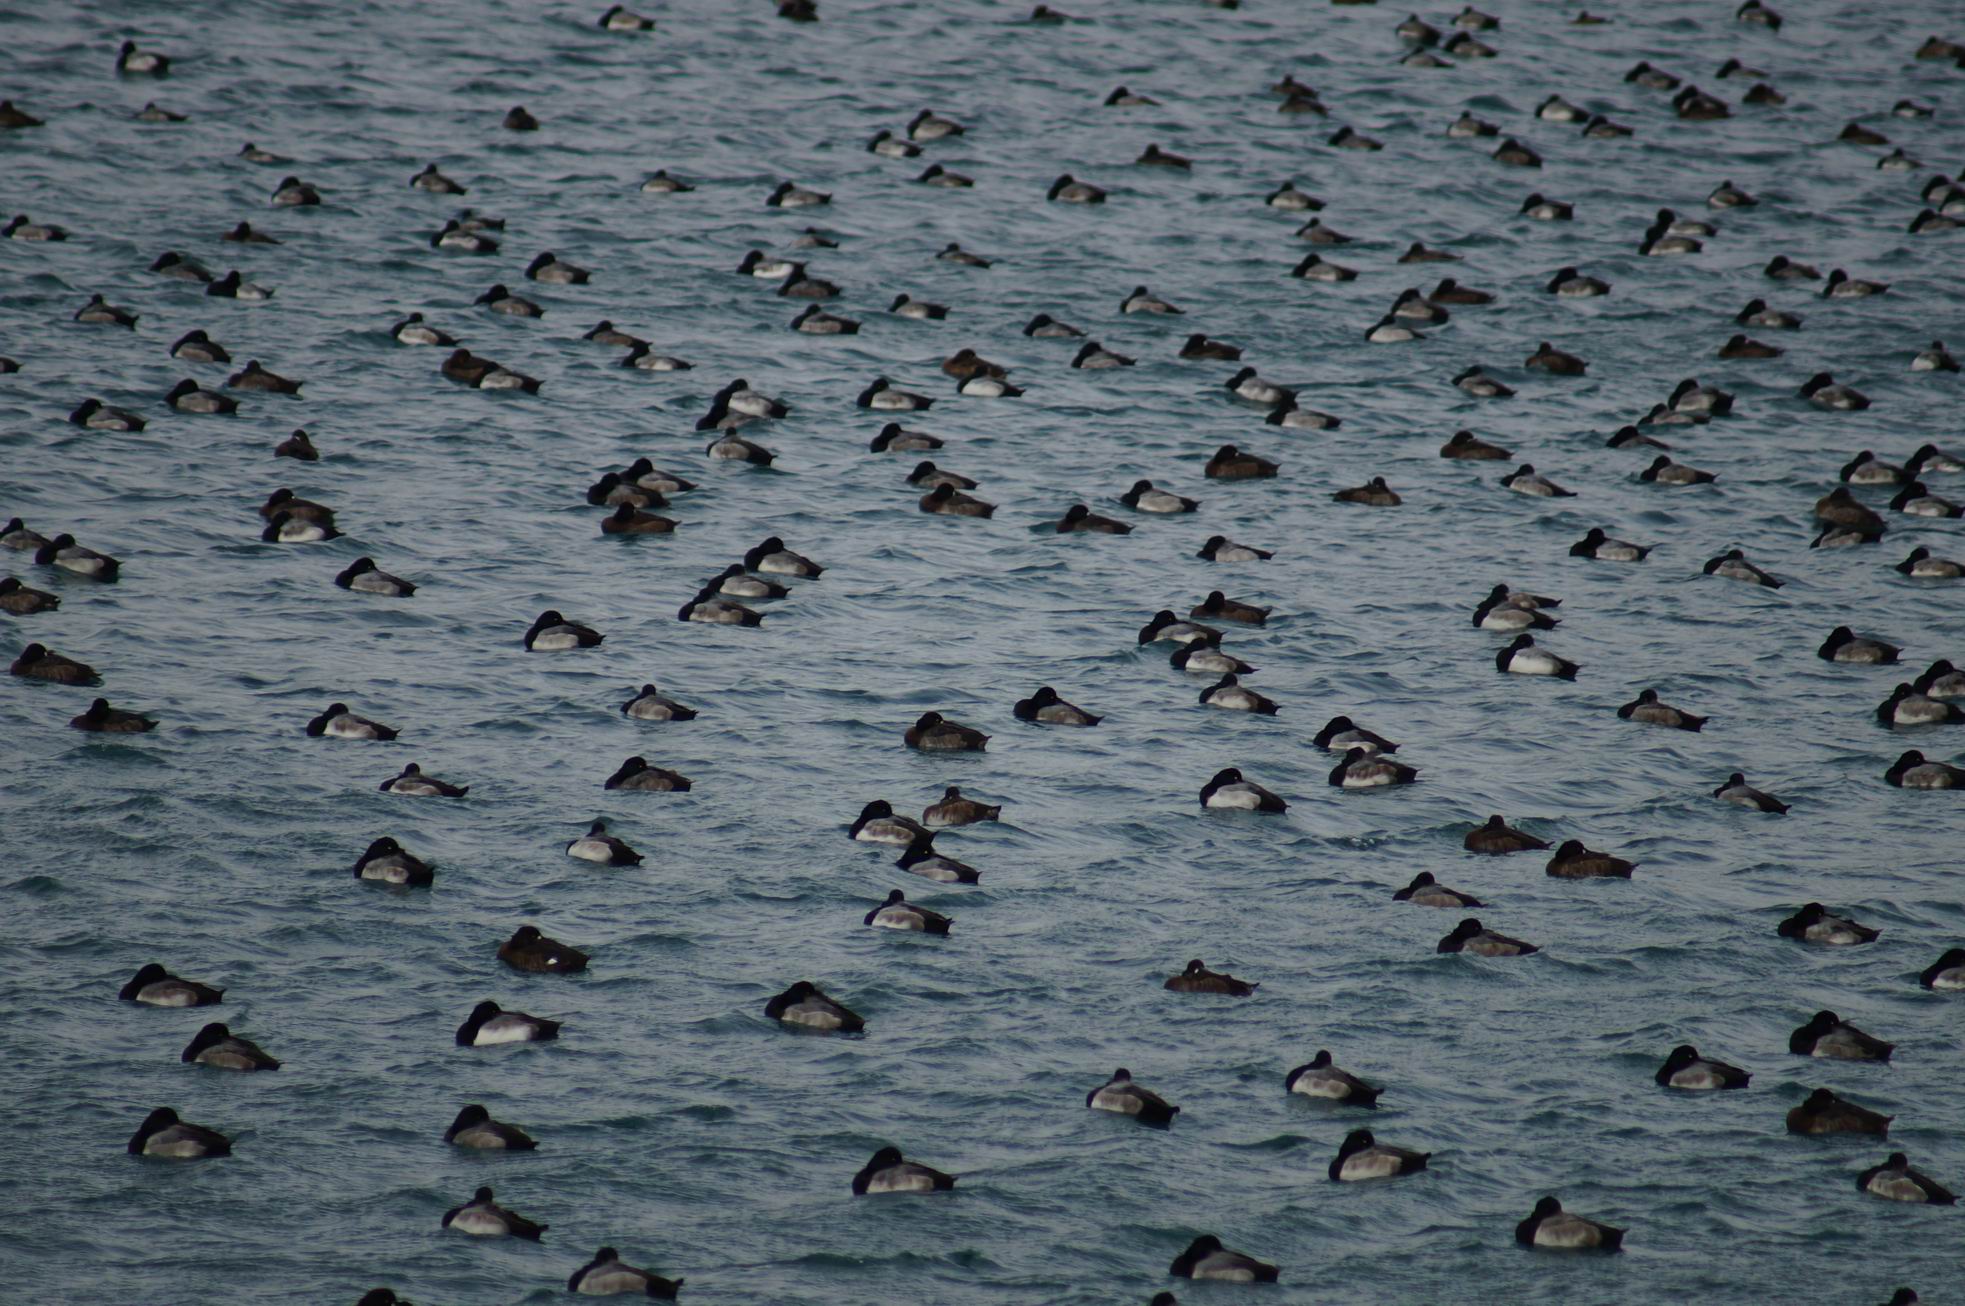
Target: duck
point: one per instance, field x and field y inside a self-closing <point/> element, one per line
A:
<point x="1573" y="861"/>
<point x="255" y="377"/>
<point x="607" y="1274"/>
<point x="1556" y="362"/>
<point x="94" y="415"/>
<point x="1219" y="548"/>
<point x="1502" y="610"/>
<point x="1348" y="138"/>
<point x="1317" y="232"/>
<point x="1315" y="267"/>
<point x="131" y="61"/>
<point x="364" y="577"/>
<point x="482" y="1216"/>
<point x="454" y="235"/>
<point x="1341" y="735"/>
<point x="1947" y="973"/>
<point x="1648" y="710"/>
<point x="877" y="823"/>
<point x="936" y="175"/>
<point x="38" y="662"/>
<point x="1291" y="200"/>
<point x="1686" y="1069"/>
<point x="637" y="776"/>
<point x="1482" y="386"/>
<point x="1867" y="469"/>
<point x="187" y="396"/>
<point x="734" y="582"/>
<point x="1841" y="285"/>
<point x="1078" y="519"/>
<point x="1757" y="313"/>
<point x="897" y="913"/>
<point x="1155" y="157"/>
<point x="490" y="1025"/>
<point x="1523" y="658"/>
<point x="920" y="858"/>
<point x="1827" y="1035"/>
<point x="985" y="386"/>
<point x="1909" y="706"/>
<point x="1362" y="769"/>
<point x="1318" y="1077"/>
<point x="1935" y="359"/>
<point x="552" y="633"/>
<point x="216" y="1046"/>
<point x="802" y="285"/>
<point x="529" y="950"/>
<point x="337" y="722"/>
<point x="64" y="553"/>
<point x="1549" y="1227"/>
<point x="1845" y="537"/>
<point x="1121" y="1096"/>
<point x="1464" y="45"/>
<point x="1825" y="1113"/>
<point x="474" y="1128"/>
<point x="807" y="1006"/>
<point x="947" y="501"/>
<point x="661" y="183"/>
<point x="1895" y="1181"/>
<point x="1655" y="79"/>
<point x="1629" y="437"/>
<point x="921" y="310"/>
<point x="100" y="312"/>
<point x="1843" y="645"/>
<point x="1568" y="283"/>
<point x="412" y="330"/>
<point x="620" y="19"/>
<point x="1601" y="547"/>
<point x="653" y="479"/>
<point x="931" y="733"/>
<point x="1733" y="565"/>
<point x="1361" y="1157"/>
<point x="1822" y="391"/>
<point x="1205" y="658"/>
<point x="234" y="286"/>
<point x="887" y="1171"/>
<point x="15" y="119"/>
<point x="1783" y="268"/>
<point x="1694" y="105"/>
<point x="388" y="862"/>
<point x="954" y="810"/>
<point x="1526" y="480"/>
<point x="1471" y="936"/>
<point x="550" y="269"/>
<point x="626" y="519"/>
<point x="1688" y="396"/>
<point x="1227" y="789"/>
<point x="1095" y="357"/>
<point x="1917" y="501"/>
<point x="1045" y="707"/>
<point x="1470" y="125"/>
<point x="1659" y="242"/>
<point x="1144" y="301"/>
<point x="1515" y="154"/>
<point x="196" y="347"/>
<point x="1197" y="978"/>
<point x="954" y="253"/>
<point x="1541" y="209"/>
<point x="709" y="609"/>
<point x="1288" y="414"/>
<point x="1143" y="497"/>
<point x="518" y="120"/>
<point x="1425" y="891"/>
<point x="1206" y="1258"/>
<point x="21" y="601"/>
<point x="1220" y="607"/>
<point x="244" y="233"/>
<point x="813" y="322"/>
<point x="882" y="396"/>
<point x="153" y="986"/>
<point x="1068" y="190"/>
<point x="1737" y="790"/>
<point x="597" y="845"/>
<point x="1231" y="464"/>
<point x="414" y="783"/>
<point x="1839" y="508"/>
<point x="162" y="1134"/>
<point x="1465" y="445"/>
<point x="1245" y="384"/>
<point x="500" y="300"/>
<point x="613" y="490"/>
<point x="1497" y="838"/>
<point x="19" y="228"/>
<point x="890" y="146"/>
<point x="1942" y="680"/>
<point x="1229" y="693"/>
<point x="1556" y="109"/>
<point x="1388" y="331"/>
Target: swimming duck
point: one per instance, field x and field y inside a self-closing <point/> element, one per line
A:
<point x="1646" y="708"/>
<point x="1143" y="497"/>
<point x="529" y="950"/>
<point x="1367" y="769"/>
<point x="1348" y="138"/>
<point x="1825" y="1113"/>
<point x="1498" y="838"/>
<point x="484" y="1218"/>
<point x="806" y="1005"/>
<point x="930" y="733"/>
<point x="947" y="501"/>
<point x="1841" y="286"/>
<point x="234" y="286"/>
<point x="552" y="633"/>
<point x="1700" y="401"/>
<point x="1341" y="735"/>
<point x="707" y="608"/>
<point x="1197" y="978"/>
<point x="1288" y="414"/>
<point x="1155" y="157"/>
<point x="475" y="1128"/>
<point x="1501" y="610"/>
<point x="1219" y="548"/>
<point x="1568" y="283"/>
<point x="518" y="120"/>
<point x="1547" y="210"/>
<point x="1425" y="891"/>
<point x="1935" y="359"/>
<point x="1845" y="537"/>
<point x="244" y="233"/>
<point x="1205" y="658"/>
<point x="1222" y="608"/>
<point x="197" y="347"/>
<point x="1231" y="464"/>
<point x="1737" y="790"/>
<point x="19" y="228"/>
<point x="1557" y="109"/>
<point x="1757" y="313"/>
<point x="1629" y="437"/>
<point x="1315" y="267"/>
<point x="613" y="490"/>
<point x="14" y="119"/>
<point x="773" y="558"/>
<point x="37" y="662"/>
<point x="649" y="477"/>
<point x="162" y="1134"/>
<point x="801" y="285"/>
<point x="920" y="310"/>
<point x="22" y="601"/>
<point x="187" y="396"/>
<point x="1464" y="45"/>
<point x="363" y="576"/>
<point x="1840" y="508"/>
<point x="890" y="146"/>
<point x="882" y="396"/>
<point x="954" y="253"/>
<point x="1142" y="301"/>
<point x="920" y="858"/>
<point x="897" y="913"/>
<point x="1068" y="190"/>
<point x="1523" y="658"/>
<point x="607" y="1274"/>
<point x="1388" y="331"/>
<point x="387" y="861"/>
<point x="99" y="312"/>
<point x="1317" y="1077"/>
<point x="64" y="553"/>
<point x="1082" y="520"/>
<point x="936" y="175"/>
<point x="1094" y="357"/>
<point x="1783" y="268"/>
<point x="1601" y="547"/>
<point x="1942" y="680"/>
<point x="1469" y="125"/>
<point x="1822" y="391"/>
<point x="153" y="986"/>
<point x="734" y="582"/>
<point x="597" y="845"/>
<point x="1686" y="1069"/>
<point x="94" y="415"/>
<point x="1229" y="790"/>
<point x="1867" y="469"/>
<point x="1555" y="361"/>
<point x="1843" y="645"/>
<point x="888" y="1172"/>
<point x="413" y="331"/>
<point x="1660" y="241"/>
<point x="1663" y="471"/>
<point x="1206" y="1258"/>
<point x="500" y="300"/>
<point x="877" y="823"/>
<point x="1288" y="198"/>
<point x="337" y="722"/>
<point x="1121" y="1096"/>
<point x="490" y="1025"/>
<point x="1917" y="501"/>
<point x="1515" y="154"/>
<point x="413" y="782"/>
<point x="1228" y="693"/>
<point x="1694" y="105"/>
<point x="954" y="809"/>
<point x="1947" y="973"/>
<point x="1827" y="1035"/>
<point x="1198" y="345"/>
<point x="1655" y="79"/>
<point x="637" y="776"/>
<point x="131" y="61"/>
<point x="1526" y="480"/>
<point x="661" y="183"/>
<point x="1895" y="1181"/>
<point x="215" y="1046"/>
<point x="1482" y="386"/>
<point x="1471" y="936"/>
<point x="1551" y="1227"/>
<point x="619" y="19"/>
<point x="1467" y="445"/>
<point x="1045" y="707"/>
<point x="1908" y="706"/>
<point x="1572" y="861"/>
<point x="985" y="386"/>
<point x="454" y="235"/>
<point x="813" y="322"/>
<point x="629" y="520"/>
<point x="255" y="377"/>
<point x="1361" y="1157"/>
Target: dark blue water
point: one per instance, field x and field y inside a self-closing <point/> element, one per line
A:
<point x="675" y="1121"/>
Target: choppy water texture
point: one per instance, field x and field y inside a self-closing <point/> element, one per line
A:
<point x="676" y="1122"/>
